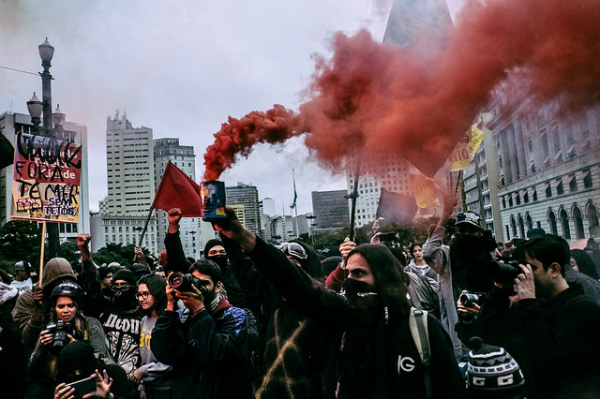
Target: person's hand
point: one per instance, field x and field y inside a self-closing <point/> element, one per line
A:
<point x="174" y="215"/>
<point x="171" y="298"/>
<point x="524" y="284"/>
<point x="376" y="239"/>
<point x="38" y="296"/>
<point x="103" y="384"/>
<point x="83" y="239"/>
<point x="193" y="300"/>
<point x="137" y="375"/>
<point x="346" y="247"/>
<point x="231" y="228"/>
<point x="62" y="391"/>
<point x="143" y="395"/>
<point x="141" y="257"/>
<point x="46" y="337"/>
<point x="473" y="310"/>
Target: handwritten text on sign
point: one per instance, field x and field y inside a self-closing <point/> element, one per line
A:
<point x="47" y="174"/>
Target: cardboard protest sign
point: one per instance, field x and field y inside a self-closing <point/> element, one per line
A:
<point x="47" y="175"/>
<point x="464" y="151"/>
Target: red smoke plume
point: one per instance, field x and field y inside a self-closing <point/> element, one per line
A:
<point x="238" y="136"/>
<point x="375" y="98"/>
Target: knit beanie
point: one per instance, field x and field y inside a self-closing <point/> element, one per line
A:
<point x="211" y="243"/>
<point x="492" y="372"/>
<point x="126" y="275"/>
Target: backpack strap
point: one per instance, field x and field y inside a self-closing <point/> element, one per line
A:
<point x="420" y="333"/>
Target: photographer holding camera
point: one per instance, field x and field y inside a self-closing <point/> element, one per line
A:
<point x="208" y="351"/>
<point x="548" y="325"/>
<point x="66" y="324"/>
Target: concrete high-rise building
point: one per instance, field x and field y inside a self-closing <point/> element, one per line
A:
<point x="131" y="186"/>
<point x="130" y="163"/>
<point x="13" y="123"/>
<point x="331" y="210"/>
<point x="165" y="150"/>
<point x="246" y="195"/>
<point x="407" y="18"/>
<point x="480" y="182"/>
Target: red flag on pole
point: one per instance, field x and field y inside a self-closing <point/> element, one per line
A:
<point x="178" y="190"/>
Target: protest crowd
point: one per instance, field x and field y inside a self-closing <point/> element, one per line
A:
<point x="448" y="317"/>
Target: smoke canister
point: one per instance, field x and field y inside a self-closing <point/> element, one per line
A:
<point x="212" y="195"/>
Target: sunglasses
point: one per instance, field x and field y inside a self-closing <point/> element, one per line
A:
<point x="143" y="295"/>
<point x="293" y="249"/>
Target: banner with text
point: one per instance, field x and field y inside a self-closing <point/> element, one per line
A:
<point x="464" y="151"/>
<point x="47" y="175"/>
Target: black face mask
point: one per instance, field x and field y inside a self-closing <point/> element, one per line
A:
<point x="363" y="300"/>
<point x="125" y="299"/>
<point x="220" y="260"/>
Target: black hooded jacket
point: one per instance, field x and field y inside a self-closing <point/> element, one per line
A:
<point x="294" y="349"/>
<point x="383" y="362"/>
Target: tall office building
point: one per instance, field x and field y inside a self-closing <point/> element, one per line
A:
<point x="330" y="210"/>
<point x="407" y="18"/>
<point x="13" y="123"/>
<point x="165" y="150"/>
<point x="131" y="186"/>
<point x="246" y="195"/>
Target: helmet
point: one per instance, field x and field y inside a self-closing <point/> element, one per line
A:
<point x="23" y="265"/>
<point x="471" y="218"/>
<point x="69" y="289"/>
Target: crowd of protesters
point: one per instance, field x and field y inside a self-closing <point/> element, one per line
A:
<point x="458" y="317"/>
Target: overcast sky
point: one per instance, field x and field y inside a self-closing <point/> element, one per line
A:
<point x="181" y="68"/>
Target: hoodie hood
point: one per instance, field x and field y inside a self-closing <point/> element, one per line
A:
<point x="312" y="265"/>
<point x="56" y="269"/>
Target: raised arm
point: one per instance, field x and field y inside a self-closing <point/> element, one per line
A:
<point x="176" y="260"/>
<point x="323" y="306"/>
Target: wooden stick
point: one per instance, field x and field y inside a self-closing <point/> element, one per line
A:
<point x="42" y="252"/>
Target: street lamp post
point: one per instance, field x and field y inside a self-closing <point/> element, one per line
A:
<point x="46" y="53"/>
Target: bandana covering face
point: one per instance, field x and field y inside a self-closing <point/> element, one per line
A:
<point x="220" y="260"/>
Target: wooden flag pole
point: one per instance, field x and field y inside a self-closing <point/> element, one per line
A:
<point x="42" y="252"/>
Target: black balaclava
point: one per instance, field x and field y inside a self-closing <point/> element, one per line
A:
<point x="220" y="260"/>
<point x="125" y="299"/>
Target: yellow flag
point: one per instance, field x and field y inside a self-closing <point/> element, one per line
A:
<point x="464" y="151"/>
<point x="426" y="191"/>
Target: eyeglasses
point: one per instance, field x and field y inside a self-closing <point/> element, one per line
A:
<point x="293" y="249"/>
<point x="120" y="286"/>
<point x="143" y="295"/>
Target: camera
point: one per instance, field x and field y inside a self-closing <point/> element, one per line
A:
<point x="506" y="272"/>
<point x="184" y="282"/>
<point x="60" y="330"/>
<point x="468" y="300"/>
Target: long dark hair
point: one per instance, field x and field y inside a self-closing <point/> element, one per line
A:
<point x="157" y="287"/>
<point x="584" y="263"/>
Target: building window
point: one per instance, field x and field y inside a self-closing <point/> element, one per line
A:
<point x="526" y="197"/>
<point x="517" y="198"/>
<point x="578" y="224"/>
<point x="552" y="221"/>
<point x="510" y="201"/>
<point x="548" y="190"/>
<point x="534" y="195"/>
<point x="586" y="176"/>
<point x="564" y="220"/>
<point x="529" y="223"/>
<point x="572" y="183"/>
<point x="559" y="187"/>
<point x="513" y="225"/>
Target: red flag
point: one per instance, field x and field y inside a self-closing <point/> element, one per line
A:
<point x="178" y="190"/>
